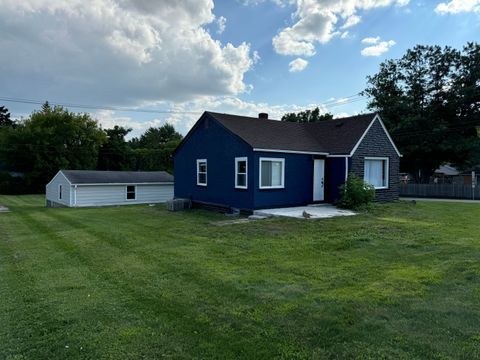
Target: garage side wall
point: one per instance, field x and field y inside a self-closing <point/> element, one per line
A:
<point x="104" y="195"/>
<point x="53" y="191"/>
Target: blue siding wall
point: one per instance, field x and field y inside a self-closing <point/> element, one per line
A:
<point x="334" y="177"/>
<point x="298" y="181"/>
<point x="213" y="142"/>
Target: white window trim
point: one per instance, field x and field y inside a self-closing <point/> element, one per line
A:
<point x="198" y="172"/>
<point x="282" y="160"/>
<point x="387" y="172"/>
<point x="237" y="160"/>
<point x="126" y="193"/>
<point x="60" y="192"/>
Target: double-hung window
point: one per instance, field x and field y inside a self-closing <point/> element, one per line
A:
<point x="376" y="172"/>
<point x="272" y="173"/>
<point x="202" y="172"/>
<point x="241" y="181"/>
<point x="131" y="192"/>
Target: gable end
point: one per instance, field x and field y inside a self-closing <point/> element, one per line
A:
<point x="377" y="117"/>
<point x="206" y="117"/>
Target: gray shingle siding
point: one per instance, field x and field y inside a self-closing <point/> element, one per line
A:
<point x="376" y="143"/>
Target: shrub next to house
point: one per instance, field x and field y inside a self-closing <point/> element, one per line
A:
<point x="355" y="193"/>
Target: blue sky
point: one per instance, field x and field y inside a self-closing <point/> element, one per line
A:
<point x="237" y="56"/>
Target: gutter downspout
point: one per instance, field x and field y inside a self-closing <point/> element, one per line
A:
<point x="346" y="168"/>
<point x="75" y="196"/>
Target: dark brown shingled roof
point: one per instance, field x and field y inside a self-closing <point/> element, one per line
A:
<point x="116" y="177"/>
<point x="337" y="136"/>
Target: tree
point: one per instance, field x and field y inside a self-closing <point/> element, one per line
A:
<point x="50" y="140"/>
<point x="5" y="117"/>
<point x="307" y="116"/>
<point x="115" y="154"/>
<point x="430" y="102"/>
<point x="155" y="138"/>
<point x="154" y="149"/>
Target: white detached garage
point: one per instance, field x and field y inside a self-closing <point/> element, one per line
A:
<point x="77" y="188"/>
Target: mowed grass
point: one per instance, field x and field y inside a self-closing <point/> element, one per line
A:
<point x="137" y="282"/>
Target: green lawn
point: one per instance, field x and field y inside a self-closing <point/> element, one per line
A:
<point x="137" y="282"/>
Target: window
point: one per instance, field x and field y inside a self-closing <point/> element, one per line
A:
<point x="202" y="172"/>
<point x="131" y="192"/>
<point x="241" y="181"/>
<point x="272" y="173"/>
<point x="376" y="172"/>
<point x="60" y="192"/>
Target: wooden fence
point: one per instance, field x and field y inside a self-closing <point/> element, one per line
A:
<point x="446" y="191"/>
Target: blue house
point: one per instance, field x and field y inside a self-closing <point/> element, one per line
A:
<point x="249" y="163"/>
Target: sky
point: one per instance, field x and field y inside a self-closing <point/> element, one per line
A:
<point x="144" y="63"/>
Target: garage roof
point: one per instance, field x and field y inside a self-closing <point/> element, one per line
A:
<point x="116" y="177"/>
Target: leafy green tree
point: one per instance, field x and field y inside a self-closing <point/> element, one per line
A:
<point x="115" y="153"/>
<point x="49" y="140"/>
<point x="154" y="149"/>
<point x="307" y="116"/>
<point x="155" y="138"/>
<point x="5" y="117"/>
<point x="430" y="102"/>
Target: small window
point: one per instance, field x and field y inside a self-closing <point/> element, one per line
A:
<point x="272" y="173"/>
<point x="241" y="181"/>
<point x="131" y="192"/>
<point x="60" y="192"/>
<point x="202" y="172"/>
<point x="376" y="172"/>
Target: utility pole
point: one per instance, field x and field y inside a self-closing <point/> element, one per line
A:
<point x="474" y="183"/>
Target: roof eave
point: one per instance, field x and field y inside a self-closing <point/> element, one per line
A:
<point x="291" y="151"/>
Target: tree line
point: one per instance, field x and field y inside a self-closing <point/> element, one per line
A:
<point x="55" y="138"/>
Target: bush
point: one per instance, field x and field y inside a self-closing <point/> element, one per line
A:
<point x="356" y="194"/>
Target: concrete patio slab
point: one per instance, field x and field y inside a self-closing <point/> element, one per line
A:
<point x="321" y="211"/>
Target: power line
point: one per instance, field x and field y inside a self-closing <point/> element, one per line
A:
<point x="96" y="107"/>
<point x="328" y="104"/>
<point x="341" y="99"/>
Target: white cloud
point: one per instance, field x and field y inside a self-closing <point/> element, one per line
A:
<point x="108" y="119"/>
<point x="281" y="3"/>
<point x="297" y="65"/>
<point x="458" y="6"/>
<point x="221" y="23"/>
<point x="378" y="49"/>
<point x="371" y="40"/>
<point x="256" y="57"/>
<point x="344" y="35"/>
<point x="351" y="21"/>
<point x="185" y="114"/>
<point x="227" y="104"/>
<point x="117" y="52"/>
<point x="318" y="21"/>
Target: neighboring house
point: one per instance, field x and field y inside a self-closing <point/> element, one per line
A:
<point x="445" y="174"/>
<point x="77" y="188"/>
<point x="253" y="163"/>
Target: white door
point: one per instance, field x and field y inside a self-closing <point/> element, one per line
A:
<point x="318" y="179"/>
